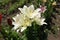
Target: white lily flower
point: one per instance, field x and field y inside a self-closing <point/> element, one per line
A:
<point x="21" y="21"/>
<point x="29" y="11"/>
<point x="16" y="22"/>
<point x="26" y="17"/>
<point x="41" y="21"/>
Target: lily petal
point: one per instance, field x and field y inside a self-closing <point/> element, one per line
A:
<point x="23" y="28"/>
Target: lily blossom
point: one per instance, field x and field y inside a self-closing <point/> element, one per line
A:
<point x="29" y="11"/>
<point x="43" y="9"/>
<point x="26" y="17"/>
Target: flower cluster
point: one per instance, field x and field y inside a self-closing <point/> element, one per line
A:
<point x="27" y="16"/>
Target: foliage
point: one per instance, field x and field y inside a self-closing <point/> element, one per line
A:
<point x="31" y="33"/>
<point x="8" y="34"/>
<point x="8" y="6"/>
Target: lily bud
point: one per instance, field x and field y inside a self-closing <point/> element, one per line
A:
<point x="9" y="21"/>
<point x="54" y="3"/>
<point x="44" y="1"/>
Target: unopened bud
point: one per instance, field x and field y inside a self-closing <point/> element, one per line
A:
<point x="44" y="0"/>
<point x="9" y="21"/>
<point x="54" y="3"/>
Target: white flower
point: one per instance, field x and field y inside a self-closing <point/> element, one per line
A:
<point x="16" y="21"/>
<point x="21" y="21"/>
<point x="39" y="20"/>
<point x="26" y="17"/>
<point x="29" y="11"/>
